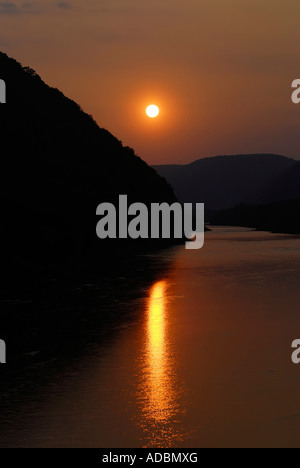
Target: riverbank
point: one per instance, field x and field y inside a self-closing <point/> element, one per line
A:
<point x="282" y="217"/>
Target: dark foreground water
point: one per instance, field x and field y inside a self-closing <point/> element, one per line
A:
<point x="199" y="357"/>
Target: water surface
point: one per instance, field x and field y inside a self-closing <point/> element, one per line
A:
<point x="200" y="358"/>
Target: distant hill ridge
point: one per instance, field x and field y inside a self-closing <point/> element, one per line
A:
<point x="226" y="181"/>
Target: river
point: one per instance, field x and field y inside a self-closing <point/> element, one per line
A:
<point x="201" y="359"/>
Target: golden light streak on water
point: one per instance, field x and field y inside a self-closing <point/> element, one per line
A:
<point x="159" y="391"/>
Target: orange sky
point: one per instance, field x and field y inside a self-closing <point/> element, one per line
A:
<point x="221" y="71"/>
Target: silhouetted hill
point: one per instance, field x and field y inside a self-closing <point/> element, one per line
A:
<point x="57" y="165"/>
<point x="286" y="186"/>
<point x="226" y="181"/>
<point x="282" y="217"/>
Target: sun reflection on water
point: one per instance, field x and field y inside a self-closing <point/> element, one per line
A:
<point x="159" y="391"/>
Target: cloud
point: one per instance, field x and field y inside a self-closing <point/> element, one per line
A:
<point x="8" y="8"/>
<point x="12" y="8"/>
<point x="20" y="8"/>
<point x="64" y="5"/>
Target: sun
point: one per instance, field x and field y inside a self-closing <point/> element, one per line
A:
<point x="152" y="111"/>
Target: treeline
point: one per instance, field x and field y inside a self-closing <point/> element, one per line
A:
<point x="281" y="217"/>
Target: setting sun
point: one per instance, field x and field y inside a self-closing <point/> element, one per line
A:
<point x="152" y="111"/>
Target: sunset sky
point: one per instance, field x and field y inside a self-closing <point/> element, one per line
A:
<point x="220" y="71"/>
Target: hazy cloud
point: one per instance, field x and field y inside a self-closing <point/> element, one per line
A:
<point x="64" y="5"/>
<point x="8" y="8"/>
<point x="19" y="8"/>
<point x="13" y="8"/>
